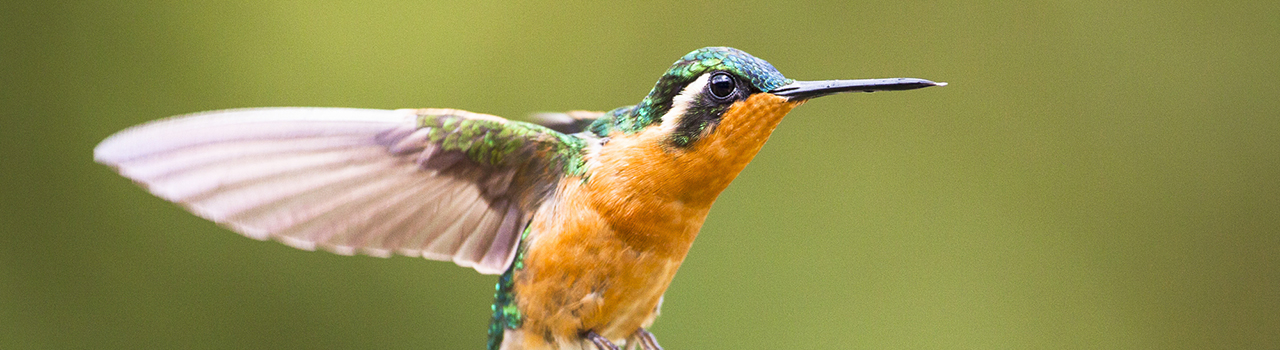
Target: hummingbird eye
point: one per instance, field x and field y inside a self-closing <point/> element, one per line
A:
<point x="721" y="86"/>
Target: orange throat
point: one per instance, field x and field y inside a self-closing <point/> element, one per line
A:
<point x="657" y="195"/>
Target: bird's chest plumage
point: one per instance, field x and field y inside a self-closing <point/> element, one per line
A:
<point x="581" y="272"/>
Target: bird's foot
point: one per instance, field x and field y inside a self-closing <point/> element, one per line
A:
<point x="647" y="340"/>
<point x="600" y="342"/>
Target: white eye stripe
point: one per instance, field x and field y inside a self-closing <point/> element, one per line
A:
<point x="681" y="103"/>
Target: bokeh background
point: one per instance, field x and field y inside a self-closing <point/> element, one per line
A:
<point x="1099" y="175"/>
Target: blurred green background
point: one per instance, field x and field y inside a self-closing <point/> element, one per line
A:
<point x="1099" y="175"/>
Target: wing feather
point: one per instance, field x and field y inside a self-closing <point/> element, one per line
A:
<point x="384" y="220"/>
<point x="445" y="245"/>
<point x="567" y="122"/>
<point x="376" y="182"/>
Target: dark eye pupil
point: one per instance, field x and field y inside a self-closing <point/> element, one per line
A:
<point x="722" y="85"/>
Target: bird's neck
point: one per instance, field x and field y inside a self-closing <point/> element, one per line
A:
<point x="655" y="195"/>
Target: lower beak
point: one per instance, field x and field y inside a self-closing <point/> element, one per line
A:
<point x="804" y="90"/>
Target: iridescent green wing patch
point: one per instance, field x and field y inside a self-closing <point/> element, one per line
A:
<point x="498" y="142"/>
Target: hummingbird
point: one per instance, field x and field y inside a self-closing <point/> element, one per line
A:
<point x="586" y="216"/>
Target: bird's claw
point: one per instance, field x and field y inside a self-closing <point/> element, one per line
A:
<point x="600" y="342"/>
<point x="647" y="340"/>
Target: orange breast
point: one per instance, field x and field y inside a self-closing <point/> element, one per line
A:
<point x="604" y="250"/>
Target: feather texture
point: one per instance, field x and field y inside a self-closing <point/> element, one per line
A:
<point x="441" y="184"/>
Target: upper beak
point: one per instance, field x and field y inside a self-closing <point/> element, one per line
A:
<point x="804" y="90"/>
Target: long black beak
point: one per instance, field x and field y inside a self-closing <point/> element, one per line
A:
<point x="804" y="90"/>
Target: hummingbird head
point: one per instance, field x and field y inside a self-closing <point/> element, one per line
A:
<point x="707" y="85"/>
<point x="704" y="120"/>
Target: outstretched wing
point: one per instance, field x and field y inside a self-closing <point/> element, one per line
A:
<point x="437" y="183"/>
<point x="567" y="122"/>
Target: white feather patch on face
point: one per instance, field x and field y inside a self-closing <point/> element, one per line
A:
<point x="681" y="102"/>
